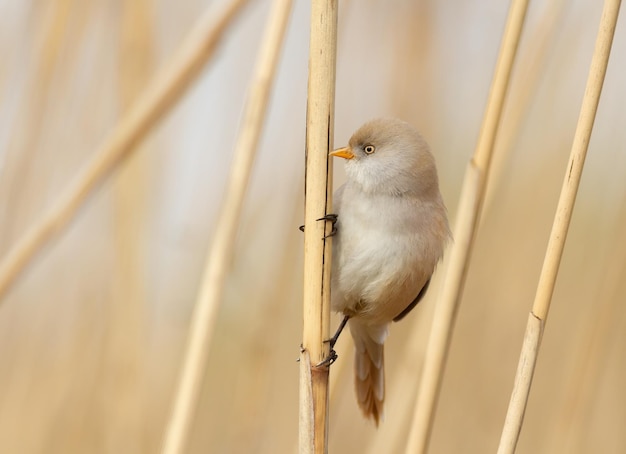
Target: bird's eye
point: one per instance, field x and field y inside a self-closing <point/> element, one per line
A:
<point x="369" y="149"/>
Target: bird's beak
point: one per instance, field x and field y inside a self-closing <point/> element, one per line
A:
<point x="345" y="152"/>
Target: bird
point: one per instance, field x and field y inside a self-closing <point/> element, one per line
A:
<point x="391" y="228"/>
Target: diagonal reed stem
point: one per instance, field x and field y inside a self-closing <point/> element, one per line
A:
<point x="313" y="429"/>
<point x="468" y="216"/>
<point x="164" y="91"/>
<point x="222" y="247"/>
<point x="545" y="287"/>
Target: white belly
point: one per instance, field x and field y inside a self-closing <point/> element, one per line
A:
<point x="380" y="262"/>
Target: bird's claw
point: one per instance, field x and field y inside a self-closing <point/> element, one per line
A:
<point x="332" y="354"/>
<point x="330" y="359"/>
<point x="333" y="219"/>
<point x="329" y="217"/>
<point x="326" y="362"/>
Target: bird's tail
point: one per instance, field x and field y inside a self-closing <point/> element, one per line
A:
<point x="369" y="363"/>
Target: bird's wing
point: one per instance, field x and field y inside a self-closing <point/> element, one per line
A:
<point x="410" y="307"/>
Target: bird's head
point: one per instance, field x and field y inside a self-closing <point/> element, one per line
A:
<point x="389" y="156"/>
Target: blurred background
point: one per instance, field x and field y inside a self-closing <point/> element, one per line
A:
<point x="92" y="334"/>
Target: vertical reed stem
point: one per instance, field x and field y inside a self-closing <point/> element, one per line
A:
<point x="472" y="196"/>
<point x="222" y="247"/>
<point x="317" y="251"/>
<point x="545" y="287"/>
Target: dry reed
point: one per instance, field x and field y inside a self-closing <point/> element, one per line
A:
<point x="468" y="216"/>
<point x="151" y="106"/>
<point x="545" y="287"/>
<point x="68" y="348"/>
<point x="593" y="347"/>
<point x="532" y="57"/>
<point x="220" y="254"/>
<point x="313" y="432"/>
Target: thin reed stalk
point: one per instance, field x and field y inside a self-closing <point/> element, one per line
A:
<point x="545" y="287"/>
<point x="153" y="104"/>
<point x="222" y="247"/>
<point x="593" y="346"/>
<point x="468" y="216"/>
<point x="313" y="430"/>
<point x="532" y="59"/>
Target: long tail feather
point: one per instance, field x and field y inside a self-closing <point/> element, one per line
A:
<point x="369" y="368"/>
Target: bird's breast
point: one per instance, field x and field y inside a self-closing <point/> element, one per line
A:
<point x="382" y="256"/>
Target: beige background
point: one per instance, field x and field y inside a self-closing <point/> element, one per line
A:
<point x="91" y="335"/>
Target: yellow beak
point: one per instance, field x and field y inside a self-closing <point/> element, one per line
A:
<point x="344" y="152"/>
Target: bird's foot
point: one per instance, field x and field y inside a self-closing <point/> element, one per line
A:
<point x="329" y="217"/>
<point x="333" y="340"/>
<point x="333" y="219"/>
<point x="331" y="358"/>
<point x="326" y="362"/>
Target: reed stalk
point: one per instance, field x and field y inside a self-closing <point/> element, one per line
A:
<point x="222" y="247"/>
<point x="164" y="91"/>
<point x="593" y="347"/>
<point x="545" y="288"/>
<point x="313" y="430"/>
<point x="468" y="216"/>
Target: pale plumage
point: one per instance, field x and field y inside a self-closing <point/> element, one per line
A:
<point x="391" y="232"/>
